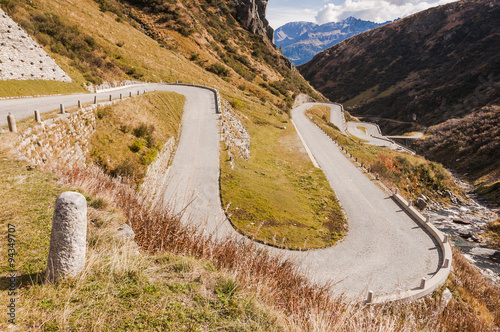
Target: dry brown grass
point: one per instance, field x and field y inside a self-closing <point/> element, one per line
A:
<point x="278" y="283"/>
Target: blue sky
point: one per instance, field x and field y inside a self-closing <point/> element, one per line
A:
<point x="280" y="12"/>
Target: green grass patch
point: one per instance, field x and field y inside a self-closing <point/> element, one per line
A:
<point x="28" y="199"/>
<point x="363" y="129"/>
<point x="14" y="88"/>
<point x="411" y="174"/>
<point x="278" y="196"/>
<point x="130" y="134"/>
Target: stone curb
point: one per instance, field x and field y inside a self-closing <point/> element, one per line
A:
<point x="443" y="272"/>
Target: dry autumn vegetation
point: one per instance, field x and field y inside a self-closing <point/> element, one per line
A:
<point x="179" y="280"/>
<point x="130" y="135"/>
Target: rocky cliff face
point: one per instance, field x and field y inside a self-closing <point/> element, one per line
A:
<point x="252" y="16"/>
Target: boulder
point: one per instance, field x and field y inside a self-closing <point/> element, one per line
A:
<point x="465" y="233"/>
<point x="125" y="233"/>
<point x="461" y="221"/>
<point x="483" y="252"/>
<point x="420" y="203"/>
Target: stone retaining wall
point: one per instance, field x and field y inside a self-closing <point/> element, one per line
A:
<point x="21" y="58"/>
<point x="64" y="139"/>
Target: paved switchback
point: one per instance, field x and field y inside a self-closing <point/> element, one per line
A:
<point x="384" y="250"/>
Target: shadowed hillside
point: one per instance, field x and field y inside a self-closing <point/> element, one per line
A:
<point x="438" y="64"/>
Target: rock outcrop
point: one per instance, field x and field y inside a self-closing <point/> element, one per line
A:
<point x="252" y="16"/>
<point x="21" y="58"/>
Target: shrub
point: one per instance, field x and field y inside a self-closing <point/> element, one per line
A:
<point x="237" y="104"/>
<point x="218" y="69"/>
<point x="137" y="145"/>
<point x="143" y="130"/>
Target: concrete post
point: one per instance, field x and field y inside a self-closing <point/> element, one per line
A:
<point x="446" y="263"/>
<point x="445" y="239"/>
<point x="37" y="116"/>
<point x="396" y="191"/>
<point x="410" y="203"/>
<point x="110" y="97"/>
<point x="427" y="219"/>
<point x="61" y="109"/>
<point x="68" y="237"/>
<point x="12" y="123"/>
<point x="422" y="283"/>
<point x="95" y="99"/>
<point x="79" y="104"/>
<point x="177" y="82"/>
<point x="369" y="298"/>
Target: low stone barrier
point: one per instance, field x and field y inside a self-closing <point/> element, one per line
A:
<point x="426" y="286"/>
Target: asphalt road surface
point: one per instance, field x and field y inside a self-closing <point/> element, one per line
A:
<point x="23" y="108"/>
<point x="384" y="250"/>
<point x="371" y="133"/>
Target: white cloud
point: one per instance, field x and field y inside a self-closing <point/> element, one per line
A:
<point x="279" y="16"/>
<point x="373" y="10"/>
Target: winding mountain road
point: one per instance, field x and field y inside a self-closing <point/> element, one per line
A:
<point x="371" y="133"/>
<point x="385" y="250"/>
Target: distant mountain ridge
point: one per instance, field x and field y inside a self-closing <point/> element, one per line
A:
<point x="301" y="41"/>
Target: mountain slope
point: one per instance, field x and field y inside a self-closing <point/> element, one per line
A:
<point x="436" y="68"/>
<point x="301" y="41"/>
<point x="438" y="64"/>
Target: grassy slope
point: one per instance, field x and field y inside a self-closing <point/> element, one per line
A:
<point x="38" y="87"/>
<point x="258" y="78"/>
<point x="121" y="289"/>
<point x="278" y="196"/>
<point x="130" y="134"/>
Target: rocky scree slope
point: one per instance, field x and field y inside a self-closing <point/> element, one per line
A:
<point x="301" y="41"/>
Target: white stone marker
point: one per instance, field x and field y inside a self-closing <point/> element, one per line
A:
<point x="12" y="123"/>
<point x="68" y="237"/>
<point x="37" y="116"/>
